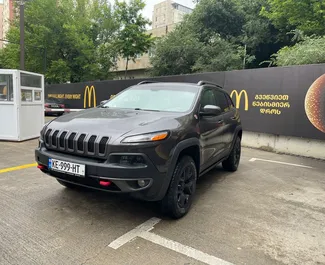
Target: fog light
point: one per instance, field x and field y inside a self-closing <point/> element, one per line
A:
<point x="142" y="183"/>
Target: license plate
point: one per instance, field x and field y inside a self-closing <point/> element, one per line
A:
<point x="67" y="167"/>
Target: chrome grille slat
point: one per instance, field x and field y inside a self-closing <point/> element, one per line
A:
<point x="76" y="143"/>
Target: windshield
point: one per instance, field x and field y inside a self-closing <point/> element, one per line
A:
<point x="155" y="98"/>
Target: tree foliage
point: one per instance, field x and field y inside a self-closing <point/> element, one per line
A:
<point x="80" y="40"/>
<point x="232" y="34"/>
<point x="305" y="15"/>
<point x="132" y="38"/>
<point x="176" y="53"/>
<point x="73" y="40"/>
<point x="309" y="51"/>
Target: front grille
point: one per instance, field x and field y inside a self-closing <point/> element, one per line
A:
<point x="76" y="143"/>
<point x="54" y="138"/>
<point x="80" y="142"/>
<point x="62" y="139"/>
<point x="102" y="145"/>
<point x="70" y="141"/>
<point x="91" y="144"/>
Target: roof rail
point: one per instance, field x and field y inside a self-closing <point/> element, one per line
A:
<point x="202" y="83"/>
<point x="146" y="82"/>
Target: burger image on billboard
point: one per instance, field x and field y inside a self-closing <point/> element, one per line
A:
<point x="315" y="104"/>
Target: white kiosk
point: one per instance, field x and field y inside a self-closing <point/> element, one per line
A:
<point x="21" y="105"/>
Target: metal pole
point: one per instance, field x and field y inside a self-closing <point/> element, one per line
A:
<point x="22" y="35"/>
<point x="244" y="63"/>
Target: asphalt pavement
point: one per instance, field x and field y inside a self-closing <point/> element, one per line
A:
<point x="271" y="211"/>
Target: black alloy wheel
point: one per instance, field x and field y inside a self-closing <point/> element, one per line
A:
<point x="179" y="197"/>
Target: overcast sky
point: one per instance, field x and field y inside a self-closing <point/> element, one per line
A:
<point x="150" y="4"/>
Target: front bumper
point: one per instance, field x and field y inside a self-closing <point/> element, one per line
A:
<point x="124" y="179"/>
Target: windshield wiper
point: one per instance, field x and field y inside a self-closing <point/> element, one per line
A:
<point x="147" y="109"/>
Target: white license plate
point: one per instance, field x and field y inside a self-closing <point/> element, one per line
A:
<point x="67" y="167"/>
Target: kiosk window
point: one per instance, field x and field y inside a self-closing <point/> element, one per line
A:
<point x="37" y="95"/>
<point x="26" y="95"/>
<point x="30" y="80"/>
<point x="6" y="88"/>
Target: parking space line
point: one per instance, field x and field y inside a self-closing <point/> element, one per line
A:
<point x="129" y="236"/>
<point x="5" y="170"/>
<point x="278" y="162"/>
<point x="182" y="249"/>
<point x="143" y="231"/>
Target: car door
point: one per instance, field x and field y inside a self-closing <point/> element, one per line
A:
<point x="211" y="131"/>
<point x="229" y="117"/>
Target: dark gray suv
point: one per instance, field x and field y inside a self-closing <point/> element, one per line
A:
<point x="152" y="140"/>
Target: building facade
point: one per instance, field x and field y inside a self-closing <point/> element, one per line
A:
<point x="165" y="17"/>
<point x="1" y="23"/>
<point x="7" y="16"/>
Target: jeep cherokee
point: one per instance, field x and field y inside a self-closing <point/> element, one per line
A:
<point x="153" y="141"/>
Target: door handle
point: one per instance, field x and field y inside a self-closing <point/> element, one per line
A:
<point x="220" y="121"/>
<point x="234" y="118"/>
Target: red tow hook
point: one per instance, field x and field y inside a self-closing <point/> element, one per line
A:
<point x="105" y="183"/>
<point x="41" y="167"/>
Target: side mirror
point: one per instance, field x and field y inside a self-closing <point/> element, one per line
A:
<point x="210" y="110"/>
<point x="102" y="103"/>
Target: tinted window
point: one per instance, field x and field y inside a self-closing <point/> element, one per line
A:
<point x="208" y="98"/>
<point x="221" y="100"/>
<point x="30" y="80"/>
<point x="230" y="102"/>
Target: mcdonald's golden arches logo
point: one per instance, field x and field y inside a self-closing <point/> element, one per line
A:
<point x="238" y="98"/>
<point x="91" y="93"/>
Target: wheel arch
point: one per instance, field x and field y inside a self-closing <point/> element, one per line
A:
<point x="190" y="147"/>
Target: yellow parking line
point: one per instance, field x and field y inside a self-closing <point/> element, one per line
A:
<point x="5" y="170"/>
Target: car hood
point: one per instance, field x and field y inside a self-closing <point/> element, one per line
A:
<point x="116" y="122"/>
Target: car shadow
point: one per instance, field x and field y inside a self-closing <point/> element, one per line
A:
<point x="87" y="203"/>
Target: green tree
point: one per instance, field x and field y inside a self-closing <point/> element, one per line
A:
<point x="176" y="53"/>
<point x="132" y="39"/>
<point x="305" y="15"/>
<point x="220" y="55"/>
<point x="261" y="38"/>
<point x="73" y="40"/>
<point x="223" y="17"/>
<point x="309" y="51"/>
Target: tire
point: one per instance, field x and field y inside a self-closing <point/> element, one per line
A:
<point x="68" y="185"/>
<point x="232" y="162"/>
<point x="179" y="197"/>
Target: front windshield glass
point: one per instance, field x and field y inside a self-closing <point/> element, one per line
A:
<point x="155" y="98"/>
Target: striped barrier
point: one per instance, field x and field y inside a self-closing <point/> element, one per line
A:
<point x="61" y="110"/>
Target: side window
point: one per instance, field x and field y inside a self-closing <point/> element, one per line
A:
<point x="230" y="102"/>
<point x="221" y="100"/>
<point x="207" y="98"/>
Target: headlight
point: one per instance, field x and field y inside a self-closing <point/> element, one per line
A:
<point x="149" y="137"/>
